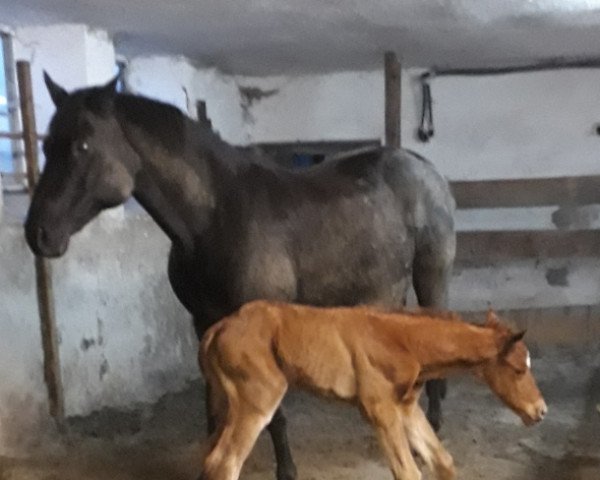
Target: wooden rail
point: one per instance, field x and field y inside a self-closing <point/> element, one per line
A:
<point x="18" y="136"/>
<point x="477" y="248"/>
<point x="582" y="190"/>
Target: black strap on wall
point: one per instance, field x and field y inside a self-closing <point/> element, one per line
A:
<point x="425" y="131"/>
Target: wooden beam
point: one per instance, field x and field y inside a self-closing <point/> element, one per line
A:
<point x="393" y="80"/>
<point x="202" y="114"/>
<point x="480" y="248"/>
<point x="560" y="191"/>
<point x="52" y="373"/>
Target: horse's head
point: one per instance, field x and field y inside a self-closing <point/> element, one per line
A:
<point x="89" y="167"/>
<point x="509" y="374"/>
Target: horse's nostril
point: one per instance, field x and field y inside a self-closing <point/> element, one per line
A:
<point x="42" y="236"/>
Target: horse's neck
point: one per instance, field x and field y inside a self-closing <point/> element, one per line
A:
<point x="448" y="345"/>
<point x="175" y="189"/>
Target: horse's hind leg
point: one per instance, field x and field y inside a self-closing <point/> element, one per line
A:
<point x="286" y="469"/>
<point x="432" y="271"/>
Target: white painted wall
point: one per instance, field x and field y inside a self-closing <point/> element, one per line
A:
<point x="510" y="126"/>
<point x="58" y="49"/>
<point x="338" y="106"/>
<point x="177" y="81"/>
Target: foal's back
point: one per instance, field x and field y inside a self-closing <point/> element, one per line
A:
<point x="315" y="348"/>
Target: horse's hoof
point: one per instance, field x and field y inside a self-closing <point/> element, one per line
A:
<point x="287" y="473"/>
<point x="443" y="389"/>
<point x="435" y="420"/>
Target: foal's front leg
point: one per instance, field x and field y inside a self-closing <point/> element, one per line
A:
<point x="385" y="416"/>
<point x="424" y="441"/>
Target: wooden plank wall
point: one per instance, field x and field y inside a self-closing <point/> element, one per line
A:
<point x="475" y="247"/>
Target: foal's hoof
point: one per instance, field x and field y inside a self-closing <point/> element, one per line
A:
<point x="287" y="472"/>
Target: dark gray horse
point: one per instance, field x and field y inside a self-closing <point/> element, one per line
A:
<point x="355" y="229"/>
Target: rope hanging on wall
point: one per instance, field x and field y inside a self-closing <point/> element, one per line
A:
<point x="426" y="130"/>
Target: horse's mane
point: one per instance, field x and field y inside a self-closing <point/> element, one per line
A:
<point x="172" y="128"/>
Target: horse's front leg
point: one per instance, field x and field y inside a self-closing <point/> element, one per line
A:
<point x="286" y="469"/>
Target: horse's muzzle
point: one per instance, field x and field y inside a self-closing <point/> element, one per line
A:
<point x="43" y="243"/>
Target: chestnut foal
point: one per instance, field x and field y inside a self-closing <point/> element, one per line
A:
<point x="375" y="358"/>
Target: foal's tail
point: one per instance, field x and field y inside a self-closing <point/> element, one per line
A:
<point x="206" y="343"/>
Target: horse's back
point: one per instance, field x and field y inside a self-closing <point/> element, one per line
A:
<point x="340" y="233"/>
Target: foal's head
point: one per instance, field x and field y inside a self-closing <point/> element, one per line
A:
<point x="509" y="374"/>
<point x="89" y="167"/>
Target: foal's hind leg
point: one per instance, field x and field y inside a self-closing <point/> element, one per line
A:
<point x="251" y="403"/>
<point x="432" y="270"/>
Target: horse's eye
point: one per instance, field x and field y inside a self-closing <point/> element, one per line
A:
<point x="81" y="147"/>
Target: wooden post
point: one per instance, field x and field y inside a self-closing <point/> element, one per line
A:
<point x="392" y="100"/>
<point x="202" y="115"/>
<point x="52" y="374"/>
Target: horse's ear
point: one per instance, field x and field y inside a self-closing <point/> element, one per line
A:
<point x="111" y="87"/>
<point x="57" y="93"/>
<point x="491" y="319"/>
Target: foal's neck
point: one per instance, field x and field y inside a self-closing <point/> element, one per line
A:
<point x="446" y="346"/>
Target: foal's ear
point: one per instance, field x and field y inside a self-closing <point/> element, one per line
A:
<point x="57" y="93"/>
<point x="516" y="337"/>
<point x="512" y="339"/>
<point x="491" y="319"/>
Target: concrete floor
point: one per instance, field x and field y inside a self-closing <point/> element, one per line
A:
<point x="330" y="441"/>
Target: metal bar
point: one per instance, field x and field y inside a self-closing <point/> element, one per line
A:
<point x="392" y="100"/>
<point x="52" y="373"/>
<point x="552" y="64"/>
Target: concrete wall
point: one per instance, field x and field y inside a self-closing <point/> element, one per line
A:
<point x="124" y="338"/>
